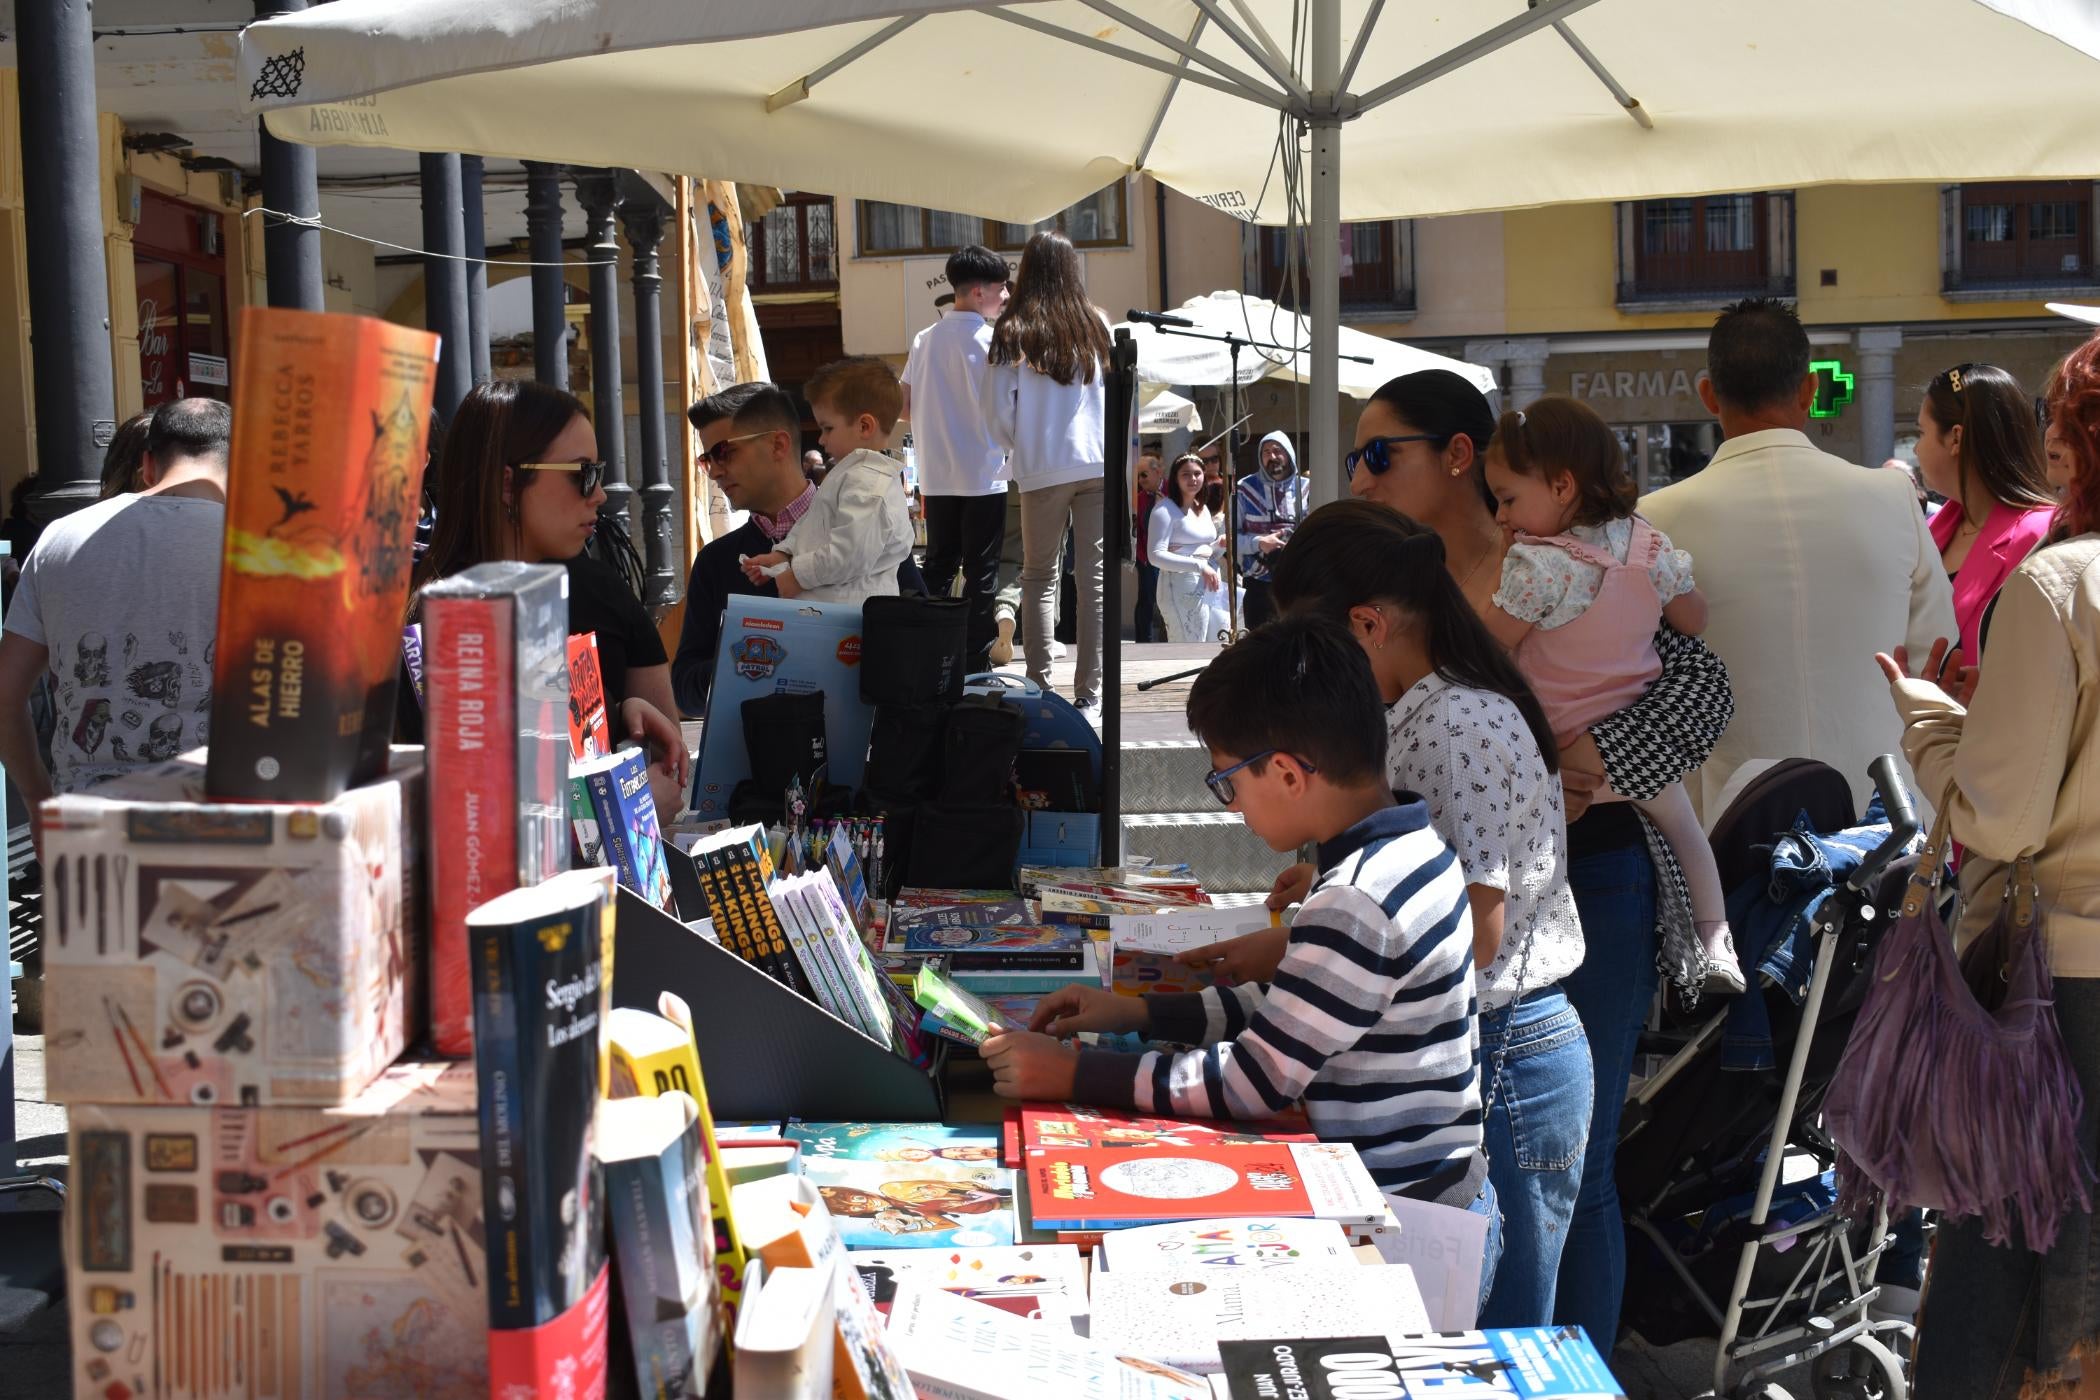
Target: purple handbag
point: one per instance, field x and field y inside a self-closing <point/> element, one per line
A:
<point x="1953" y="1099"/>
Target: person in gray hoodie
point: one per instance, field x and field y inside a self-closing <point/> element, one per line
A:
<point x="1266" y="506"/>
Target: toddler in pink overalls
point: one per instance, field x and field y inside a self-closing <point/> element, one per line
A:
<point x="1584" y="585"/>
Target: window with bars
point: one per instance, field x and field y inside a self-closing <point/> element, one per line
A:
<point x="2031" y="234"/>
<point x="1101" y="220"/>
<point x="1377" y="266"/>
<point x="794" y="248"/>
<point x="1707" y="248"/>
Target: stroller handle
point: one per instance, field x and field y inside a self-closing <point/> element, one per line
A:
<point x="1903" y="821"/>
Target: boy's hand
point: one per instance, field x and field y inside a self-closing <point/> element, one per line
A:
<point x="1292" y="886"/>
<point x="1072" y="1009"/>
<point x="1252" y="957"/>
<point x="1030" y="1066"/>
<point x="788" y="585"/>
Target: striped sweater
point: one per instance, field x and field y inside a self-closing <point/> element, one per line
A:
<point x="1370" y="1019"/>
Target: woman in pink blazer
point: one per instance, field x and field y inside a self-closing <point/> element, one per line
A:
<point x="1978" y="446"/>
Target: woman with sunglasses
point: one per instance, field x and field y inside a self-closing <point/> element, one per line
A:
<point x="520" y="478"/>
<point x="1182" y="539"/>
<point x="1980" y="447"/>
<point x="1418" y="449"/>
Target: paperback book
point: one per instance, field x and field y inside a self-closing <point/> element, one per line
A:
<point x="735" y="869"/>
<point x="1530" y="1363"/>
<point x="590" y="730"/>
<point x="995" y="946"/>
<point x="663" y="1241"/>
<point x="1194" y="1247"/>
<point x="1111" y="1188"/>
<point x="909" y="1185"/>
<point x="1182" y="1317"/>
<point x="632" y="843"/>
<point x="785" y="1336"/>
<point x="331" y="413"/>
<point x="936" y="908"/>
<point x="542" y="992"/>
<point x="1046" y="1281"/>
<point x="961" y="1349"/>
<point x="1065" y="1127"/>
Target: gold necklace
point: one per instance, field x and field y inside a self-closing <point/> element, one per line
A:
<point x="1465" y="582"/>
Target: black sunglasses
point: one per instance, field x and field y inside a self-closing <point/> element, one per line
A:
<point x="589" y="475"/>
<point x="1377" y="455"/>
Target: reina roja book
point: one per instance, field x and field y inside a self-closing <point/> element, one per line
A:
<point x="590" y="730"/>
<point x="1110" y="1188"/>
<point x="632" y="842"/>
<point x="322" y="490"/>
<point x="542" y="991"/>
<point x="498" y="756"/>
<point x="1524" y="1363"/>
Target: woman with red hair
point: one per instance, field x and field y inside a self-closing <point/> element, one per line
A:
<point x="2018" y="770"/>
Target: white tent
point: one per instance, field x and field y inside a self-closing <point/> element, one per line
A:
<point x="1363" y="361"/>
<point x="1164" y="411"/>
<point x="1256" y="107"/>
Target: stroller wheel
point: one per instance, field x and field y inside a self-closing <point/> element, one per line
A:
<point x="1862" y="1369"/>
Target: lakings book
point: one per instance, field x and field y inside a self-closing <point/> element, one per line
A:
<point x="663" y="1240"/>
<point x="543" y="986"/>
<point x="1181" y="1317"/>
<point x="590" y="732"/>
<point x="1109" y="1188"/>
<point x="498" y="753"/>
<point x="1528" y="1363"/>
<point x="959" y="1349"/>
<point x="633" y="843"/>
<point x="326" y="470"/>
<point x="735" y="869"/>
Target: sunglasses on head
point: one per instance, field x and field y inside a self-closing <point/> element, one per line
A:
<point x="1219" y="780"/>
<point x="589" y="475"/>
<point x="1377" y="457"/>
<point x="721" y="452"/>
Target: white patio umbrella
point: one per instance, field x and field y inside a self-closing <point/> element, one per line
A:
<point x="1165" y="411"/>
<point x="1363" y="361"/>
<point x="1016" y="110"/>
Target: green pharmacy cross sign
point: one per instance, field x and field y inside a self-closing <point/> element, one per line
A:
<point x="1833" y="389"/>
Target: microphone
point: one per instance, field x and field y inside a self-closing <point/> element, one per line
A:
<point x="1157" y="318"/>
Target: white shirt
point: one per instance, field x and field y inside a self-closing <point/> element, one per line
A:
<point x="857" y="530"/>
<point x="1181" y="540"/>
<point x="1471" y="757"/>
<point x="954" y="451"/>
<point x="1809" y="565"/>
<point x="1052" y="430"/>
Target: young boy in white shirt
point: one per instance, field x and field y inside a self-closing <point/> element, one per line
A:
<point x="847" y="546"/>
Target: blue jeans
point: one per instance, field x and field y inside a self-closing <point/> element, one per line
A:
<point x="1491" y="1247"/>
<point x="1615" y="894"/>
<point x="1536" y="1128"/>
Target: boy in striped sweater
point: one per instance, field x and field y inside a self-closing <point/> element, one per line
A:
<point x="1370" y="1017"/>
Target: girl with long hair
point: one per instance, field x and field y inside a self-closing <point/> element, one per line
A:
<point x="1044" y="400"/>
<point x="1980" y="447"/>
<point x="1469" y="736"/>
<point x="520" y="478"/>
<point x="1182" y="539"/>
<point x="2017" y="772"/>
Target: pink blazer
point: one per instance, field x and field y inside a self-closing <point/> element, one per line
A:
<point x="2008" y="537"/>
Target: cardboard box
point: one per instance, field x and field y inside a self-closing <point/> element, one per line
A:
<point x="772" y="646"/>
<point x="282" y="1252"/>
<point x="206" y="954"/>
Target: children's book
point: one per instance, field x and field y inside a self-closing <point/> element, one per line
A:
<point x="1196" y="1246"/>
<point x="835" y="987"/>
<point x="619" y="788"/>
<point x="1182" y="930"/>
<point x="1178" y="876"/>
<point x="1063" y="1127"/>
<point x="961" y="1349"/>
<point x="955" y="1013"/>
<point x="1182" y="1317"/>
<point x="1046" y="1281"/>
<point x="1526" y="1363"/>
<point x="1111" y="1188"/>
<point x="935" y="908"/>
<point x="991" y="946"/>
<point x="909" y="1185"/>
<point x="590" y="729"/>
<point x="898" y="1143"/>
<point x="1030" y="981"/>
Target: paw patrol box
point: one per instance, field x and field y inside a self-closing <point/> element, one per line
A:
<point x="773" y="646"/>
<point x="282" y="1252"/>
<point x="207" y="953"/>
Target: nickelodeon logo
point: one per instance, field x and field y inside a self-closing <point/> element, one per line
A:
<point x="1067" y="1181"/>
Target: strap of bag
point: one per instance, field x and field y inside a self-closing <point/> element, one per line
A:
<point x="1932" y="862"/>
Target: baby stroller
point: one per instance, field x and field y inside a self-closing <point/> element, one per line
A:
<point x="1716" y="1244"/>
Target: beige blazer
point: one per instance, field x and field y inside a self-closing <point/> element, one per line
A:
<point x="1810" y="565"/>
<point x="2023" y="763"/>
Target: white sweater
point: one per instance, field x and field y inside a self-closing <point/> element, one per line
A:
<point x="1052" y="432"/>
<point x="848" y="544"/>
<point x="1179" y="540"/>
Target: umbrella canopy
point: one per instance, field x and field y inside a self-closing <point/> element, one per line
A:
<point x="1015" y="110"/>
<point x="1165" y="411"/>
<point x="1364" y="361"/>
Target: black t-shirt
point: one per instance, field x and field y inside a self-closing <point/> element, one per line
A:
<point x="600" y="601"/>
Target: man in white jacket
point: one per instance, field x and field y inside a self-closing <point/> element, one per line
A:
<point x="1809" y="563"/>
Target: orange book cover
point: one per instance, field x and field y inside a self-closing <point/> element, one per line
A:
<point x="590" y="729"/>
<point x="330" y="419"/>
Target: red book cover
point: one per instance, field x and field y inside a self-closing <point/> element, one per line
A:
<point x="1010" y="1139"/>
<point x="330" y="418"/>
<point x="1065" y="1127"/>
<point x="498" y="756"/>
<point x="559" y="1360"/>
<point x="1108" y="1188"/>
<point x="590" y="731"/>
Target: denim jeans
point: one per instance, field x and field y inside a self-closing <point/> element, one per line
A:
<point x="1536" y="1127"/>
<point x="1996" y="1313"/>
<point x="1615" y="894"/>
<point x="1491" y="1248"/>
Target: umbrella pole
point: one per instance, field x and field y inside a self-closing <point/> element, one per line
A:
<point x="1324" y="121"/>
<point x="1233" y="435"/>
<point x="1119" y="421"/>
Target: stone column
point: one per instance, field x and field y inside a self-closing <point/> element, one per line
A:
<point x="477" y="272"/>
<point x="644" y="222"/>
<point x="1491" y="355"/>
<point x="599" y="194"/>
<point x="291" y="252"/>
<point x="550" y="324"/>
<point x="1874" y="390"/>
<point x="1527" y="371"/>
<point x="444" y="281"/>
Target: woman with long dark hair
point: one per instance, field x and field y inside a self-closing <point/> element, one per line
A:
<point x="1418" y="449"/>
<point x="1044" y="399"/>
<point x="1182" y="538"/>
<point x="1980" y="447"/>
<point x="520" y="478"/>
<point x="1469" y="736"/>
